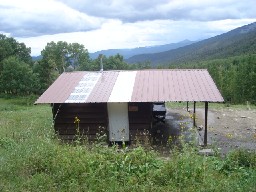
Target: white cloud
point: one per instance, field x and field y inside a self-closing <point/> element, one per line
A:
<point x="31" y="18"/>
<point x="115" y="34"/>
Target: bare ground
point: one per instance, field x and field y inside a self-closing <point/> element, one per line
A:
<point x="228" y="128"/>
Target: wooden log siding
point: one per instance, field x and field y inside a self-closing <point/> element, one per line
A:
<point x="93" y="119"/>
<point x="140" y="121"/>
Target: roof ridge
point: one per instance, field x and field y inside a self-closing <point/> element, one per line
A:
<point x="138" y="70"/>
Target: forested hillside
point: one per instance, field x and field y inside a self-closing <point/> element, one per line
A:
<point x="234" y="43"/>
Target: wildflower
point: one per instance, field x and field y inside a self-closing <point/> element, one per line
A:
<point x="170" y="139"/>
<point x="77" y="120"/>
<point x="229" y="135"/>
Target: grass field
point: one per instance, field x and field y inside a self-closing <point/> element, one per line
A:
<point x="32" y="159"/>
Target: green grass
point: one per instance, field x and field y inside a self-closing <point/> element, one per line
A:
<point x="32" y="159"/>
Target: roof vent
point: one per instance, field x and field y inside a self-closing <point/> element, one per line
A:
<point x="101" y="64"/>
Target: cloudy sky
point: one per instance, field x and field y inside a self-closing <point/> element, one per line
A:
<point x="108" y="24"/>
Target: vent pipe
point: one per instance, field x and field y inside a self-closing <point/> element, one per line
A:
<point x="101" y="64"/>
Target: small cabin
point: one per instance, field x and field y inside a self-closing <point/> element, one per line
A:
<point x="122" y="104"/>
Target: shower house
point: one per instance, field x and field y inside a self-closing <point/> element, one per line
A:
<point x="121" y="102"/>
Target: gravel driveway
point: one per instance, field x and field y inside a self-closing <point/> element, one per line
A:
<point x="228" y="128"/>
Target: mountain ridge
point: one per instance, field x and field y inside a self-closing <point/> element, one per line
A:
<point x="235" y="42"/>
<point x="127" y="53"/>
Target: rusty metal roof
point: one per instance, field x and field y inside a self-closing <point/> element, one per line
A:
<point x="133" y="86"/>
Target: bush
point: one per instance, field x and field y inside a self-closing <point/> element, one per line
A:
<point x="240" y="158"/>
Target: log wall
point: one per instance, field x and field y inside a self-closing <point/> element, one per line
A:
<point x="93" y="119"/>
<point x="140" y="121"/>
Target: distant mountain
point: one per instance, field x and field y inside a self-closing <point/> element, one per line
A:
<point x="236" y="42"/>
<point x="36" y="58"/>
<point x="141" y="50"/>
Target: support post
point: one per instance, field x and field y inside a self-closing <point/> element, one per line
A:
<point x="194" y="115"/>
<point x="187" y="105"/>
<point x="205" y="125"/>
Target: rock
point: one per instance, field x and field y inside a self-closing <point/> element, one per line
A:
<point x="206" y="152"/>
<point x="200" y="128"/>
<point x="218" y="117"/>
<point x="248" y="105"/>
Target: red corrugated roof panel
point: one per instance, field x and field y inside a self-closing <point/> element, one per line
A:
<point x="60" y="90"/>
<point x="149" y="86"/>
<point x="104" y="87"/>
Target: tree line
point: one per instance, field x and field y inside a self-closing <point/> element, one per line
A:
<point x="20" y="75"/>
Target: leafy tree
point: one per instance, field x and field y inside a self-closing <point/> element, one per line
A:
<point x="78" y="55"/>
<point x="56" y="54"/>
<point x="10" y="47"/>
<point x="63" y="55"/>
<point x="17" y="77"/>
<point x="46" y="72"/>
<point x="116" y="62"/>
<point x="58" y="58"/>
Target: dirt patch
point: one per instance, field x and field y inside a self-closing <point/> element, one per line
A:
<point x="230" y="128"/>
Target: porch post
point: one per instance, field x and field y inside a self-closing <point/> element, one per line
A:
<point x="194" y="115"/>
<point x="205" y="125"/>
